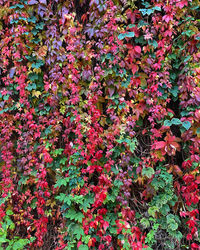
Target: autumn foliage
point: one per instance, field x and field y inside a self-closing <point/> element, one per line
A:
<point x="99" y="124"/>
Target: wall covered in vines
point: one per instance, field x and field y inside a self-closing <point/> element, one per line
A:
<point x="99" y="124"/>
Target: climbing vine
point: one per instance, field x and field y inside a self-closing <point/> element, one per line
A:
<point x="100" y="124"/>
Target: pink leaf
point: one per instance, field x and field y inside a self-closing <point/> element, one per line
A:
<point x="105" y="225"/>
<point x="137" y="49"/>
<point x="159" y="144"/>
<point x="31" y="2"/>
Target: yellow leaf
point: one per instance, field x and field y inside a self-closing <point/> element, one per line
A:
<point x="103" y="121"/>
<point x="36" y="93"/>
<point x="37" y="71"/>
<point x="143" y="77"/>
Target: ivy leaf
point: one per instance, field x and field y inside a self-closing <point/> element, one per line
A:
<point x="176" y="121"/>
<point x="83" y="247"/>
<point x="173" y="225"/>
<point x="9" y="212"/>
<point x="148" y="172"/>
<point x="39" y="26"/>
<point x="174" y="91"/>
<point x="153" y="43"/>
<point x="32" y="19"/>
<point x="145" y="223"/>
<point x="63" y="160"/>
<point x="167" y="123"/>
<point x="20" y="244"/>
<point x="38" y="64"/>
<point x="152" y="211"/>
<point x="3" y="239"/>
<point x="186" y="125"/>
<point x="31" y="87"/>
<point x="78" y="231"/>
<point x="86" y="203"/>
<point x="118" y="183"/>
<point x="61" y="182"/>
<point x="73" y="215"/>
<point x="123" y="35"/>
<point x="61" y="197"/>
<point x="165" y="209"/>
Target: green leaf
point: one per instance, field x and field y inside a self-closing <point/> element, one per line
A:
<point x="48" y="131"/>
<point x="130" y="34"/>
<point x="38" y="64"/>
<point x="133" y="145"/>
<point x="14" y="21"/>
<point x="187" y="58"/>
<point x="148" y="172"/>
<point x="39" y="26"/>
<point x="31" y="87"/>
<point x="153" y="43"/>
<point x="3" y="110"/>
<point x="173" y="225"/>
<point x="174" y="91"/>
<point x="145" y="222"/>
<point x="5" y="97"/>
<point x="32" y="19"/>
<point x="61" y="182"/>
<point x="186" y="125"/>
<point x="34" y="31"/>
<point x="22" y="18"/>
<point x="30" y="58"/>
<point x="20" y="244"/>
<point x="73" y="215"/>
<point x="33" y="76"/>
<point x="35" y="40"/>
<point x="57" y="151"/>
<point x="177" y="234"/>
<point x="78" y="231"/>
<point x="9" y="212"/>
<point x="123" y="35"/>
<point x="146" y="11"/>
<point x="21" y="6"/>
<point x="152" y="211"/>
<point x="83" y="247"/>
<point x="61" y="197"/>
<point x="167" y="123"/>
<point x="86" y="202"/>
<point x="118" y="183"/>
<point x="185" y="113"/>
<point x="165" y="209"/>
<point x="3" y="240"/>
<point x="176" y="121"/>
<point x="142" y="23"/>
<point x="63" y="160"/>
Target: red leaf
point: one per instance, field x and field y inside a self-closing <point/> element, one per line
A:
<point x="198" y="180"/>
<point x="105" y="225"/>
<point x="177" y="170"/>
<point x="134" y="68"/>
<point x="189" y="236"/>
<point x="137" y="49"/>
<point x="195" y="246"/>
<point x="159" y="145"/>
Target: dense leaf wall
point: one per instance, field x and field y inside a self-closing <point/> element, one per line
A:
<point x="99" y="121"/>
